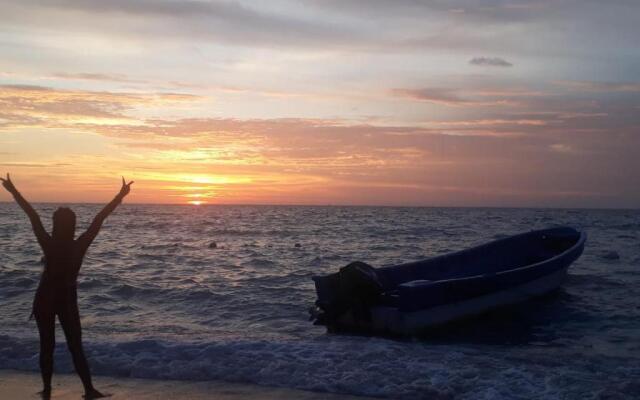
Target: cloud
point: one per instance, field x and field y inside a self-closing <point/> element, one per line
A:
<point x="33" y="165"/>
<point x="443" y="96"/>
<point x="544" y="149"/>
<point x="27" y="105"/>
<point x="224" y="22"/>
<point x="486" y="11"/>
<point x="452" y="98"/>
<point x="330" y="27"/>
<point x="88" y="76"/>
<point x="490" y="62"/>
<point x="562" y="148"/>
<point x="591" y="86"/>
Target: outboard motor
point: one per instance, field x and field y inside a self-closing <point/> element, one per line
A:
<point x="355" y="288"/>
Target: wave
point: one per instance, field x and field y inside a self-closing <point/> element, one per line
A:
<point x="259" y="262"/>
<point x="359" y="366"/>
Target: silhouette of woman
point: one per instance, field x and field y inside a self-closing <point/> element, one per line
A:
<point x="56" y="294"/>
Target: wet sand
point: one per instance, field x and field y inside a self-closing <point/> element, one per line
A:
<point x="25" y="385"/>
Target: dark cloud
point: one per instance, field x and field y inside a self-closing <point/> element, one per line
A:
<point x="443" y="96"/>
<point x="375" y="26"/>
<point x="453" y="97"/>
<point x="490" y="61"/>
<point x="492" y="11"/>
<point x="224" y="22"/>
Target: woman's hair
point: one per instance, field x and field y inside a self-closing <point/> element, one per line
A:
<point x="64" y="223"/>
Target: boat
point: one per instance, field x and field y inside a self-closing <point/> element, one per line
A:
<point x="408" y="299"/>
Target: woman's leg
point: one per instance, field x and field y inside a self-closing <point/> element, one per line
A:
<point x="46" y="320"/>
<point x="70" y="320"/>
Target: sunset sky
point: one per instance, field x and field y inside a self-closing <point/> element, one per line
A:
<point x="398" y="102"/>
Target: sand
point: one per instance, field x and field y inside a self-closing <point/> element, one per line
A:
<point x="25" y="385"/>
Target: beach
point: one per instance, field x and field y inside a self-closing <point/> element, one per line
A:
<point x="25" y="385"/>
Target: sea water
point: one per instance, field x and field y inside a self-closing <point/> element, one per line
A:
<point x="158" y="300"/>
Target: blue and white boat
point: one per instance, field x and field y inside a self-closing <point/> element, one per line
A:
<point x="408" y="299"/>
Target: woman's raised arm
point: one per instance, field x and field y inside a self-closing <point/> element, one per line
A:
<point x="91" y="233"/>
<point x="36" y="224"/>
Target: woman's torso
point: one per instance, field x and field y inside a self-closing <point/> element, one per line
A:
<point x="63" y="260"/>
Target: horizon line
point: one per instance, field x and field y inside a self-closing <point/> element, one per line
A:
<point x="341" y="205"/>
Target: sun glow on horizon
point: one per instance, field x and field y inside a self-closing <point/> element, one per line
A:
<point x="199" y="179"/>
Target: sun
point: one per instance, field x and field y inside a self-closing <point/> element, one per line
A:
<point x="196" y="202"/>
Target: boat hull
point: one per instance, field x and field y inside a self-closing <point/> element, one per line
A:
<point x="414" y="297"/>
<point x="390" y="320"/>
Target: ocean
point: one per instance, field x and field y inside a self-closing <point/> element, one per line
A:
<point x="158" y="300"/>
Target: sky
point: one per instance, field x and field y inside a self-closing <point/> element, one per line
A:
<point x="399" y="102"/>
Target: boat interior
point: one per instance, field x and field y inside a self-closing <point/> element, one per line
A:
<point x="505" y="254"/>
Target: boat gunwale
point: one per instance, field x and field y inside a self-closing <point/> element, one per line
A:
<point x="582" y="237"/>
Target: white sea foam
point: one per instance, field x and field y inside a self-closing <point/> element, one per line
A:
<point x="373" y="367"/>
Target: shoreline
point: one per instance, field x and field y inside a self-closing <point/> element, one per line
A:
<point x="16" y="384"/>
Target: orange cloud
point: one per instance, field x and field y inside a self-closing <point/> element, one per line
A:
<point x="26" y="105"/>
<point x="506" y="156"/>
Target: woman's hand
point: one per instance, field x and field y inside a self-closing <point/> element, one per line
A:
<point x="125" y="189"/>
<point x="8" y="184"/>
